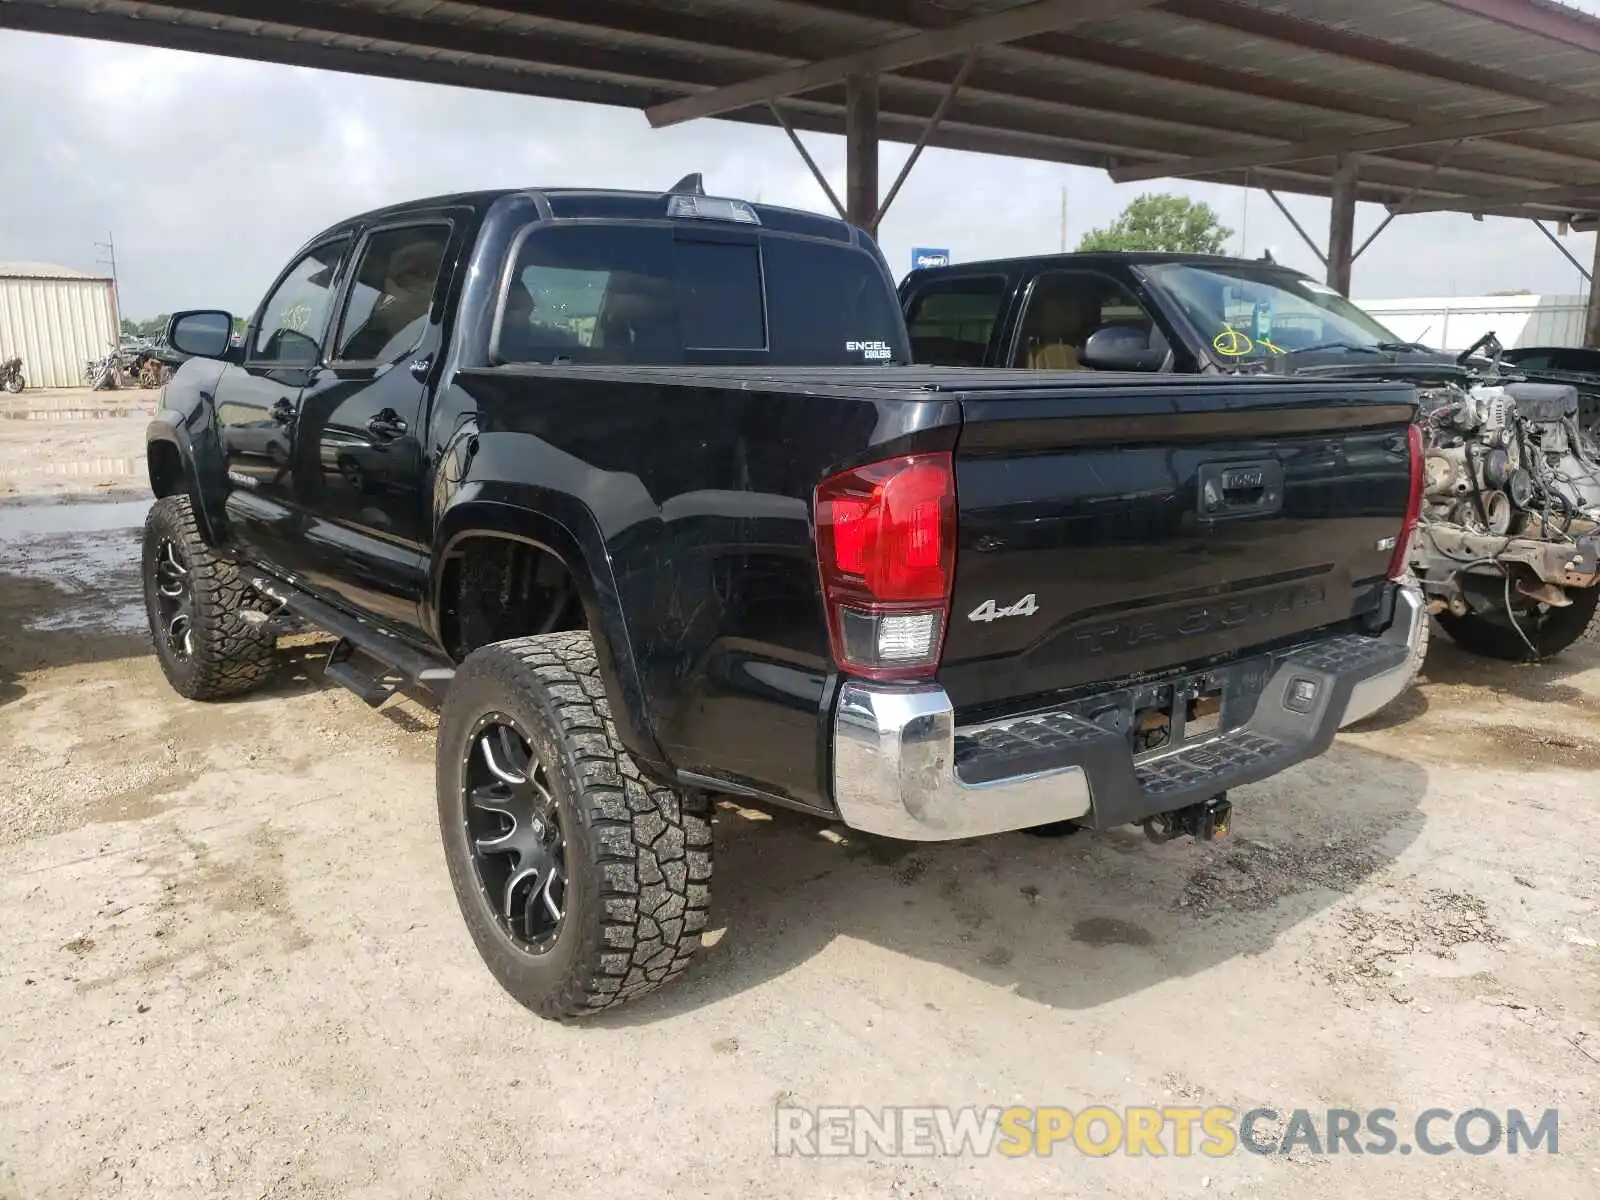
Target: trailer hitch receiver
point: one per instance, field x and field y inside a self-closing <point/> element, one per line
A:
<point x="1204" y="821"/>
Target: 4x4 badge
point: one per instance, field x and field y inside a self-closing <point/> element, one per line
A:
<point x="990" y="611"/>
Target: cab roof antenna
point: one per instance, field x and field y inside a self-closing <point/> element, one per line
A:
<point x="689" y="185"/>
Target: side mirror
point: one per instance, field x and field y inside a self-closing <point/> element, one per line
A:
<point x="1121" y="348"/>
<point x="204" y="332"/>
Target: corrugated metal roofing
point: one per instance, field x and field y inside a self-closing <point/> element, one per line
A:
<point x="39" y="270"/>
<point x="1176" y="79"/>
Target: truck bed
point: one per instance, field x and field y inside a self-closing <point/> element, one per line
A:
<point x="1080" y="489"/>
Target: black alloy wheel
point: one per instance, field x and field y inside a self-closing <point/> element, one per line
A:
<point x="175" y="613"/>
<point x="513" y="826"/>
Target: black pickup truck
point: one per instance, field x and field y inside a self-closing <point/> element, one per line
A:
<point x="1507" y="554"/>
<point x="643" y="489"/>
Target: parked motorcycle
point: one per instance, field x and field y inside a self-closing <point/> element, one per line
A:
<point x="11" y="375"/>
<point x="104" y="373"/>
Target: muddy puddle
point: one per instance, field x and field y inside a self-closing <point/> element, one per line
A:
<point x="86" y="555"/>
<point x="25" y="522"/>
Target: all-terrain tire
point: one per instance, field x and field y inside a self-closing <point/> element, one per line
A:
<point x="15" y="384"/>
<point x="637" y="854"/>
<point x="229" y="645"/>
<point x="1551" y="632"/>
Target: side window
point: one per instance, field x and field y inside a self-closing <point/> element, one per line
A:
<point x="295" y="316"/>
<point x="1065" y="309"/>
<point x="1536" y="362"/>
<point x="391" y="293"/>
<point x="951" y="320"/>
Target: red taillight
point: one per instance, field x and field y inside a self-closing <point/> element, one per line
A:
<point x="1397" y="561"/>
<point x="886" y="547"/>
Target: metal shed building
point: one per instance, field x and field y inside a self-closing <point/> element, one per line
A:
<point x="55" y="318"/>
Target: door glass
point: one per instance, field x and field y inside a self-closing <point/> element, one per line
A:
<point x="951" y="320"/>
<point x="296" y="314"/>
<point x="1068" y="308"/>
<point x="392" y="293"/>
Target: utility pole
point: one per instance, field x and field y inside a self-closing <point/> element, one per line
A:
<point x="110" y="247"/>
<point x="1063" y="218"/>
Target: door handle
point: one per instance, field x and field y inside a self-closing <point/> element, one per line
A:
<point x="387" y="426"/>
<point x="283" y="411"/>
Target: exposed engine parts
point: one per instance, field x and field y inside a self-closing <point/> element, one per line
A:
<point x="1508" y="549"/>
<point x="1510" y="458"/>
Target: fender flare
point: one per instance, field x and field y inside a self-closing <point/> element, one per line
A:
<point x="169" y="427"/>
<point x="511" y="515"/>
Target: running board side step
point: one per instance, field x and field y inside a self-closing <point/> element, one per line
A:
<point x="339" y="669"/>
<point x="393" y="656"/>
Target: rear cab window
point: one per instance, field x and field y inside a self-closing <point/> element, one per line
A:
<point x="671" y="292"/>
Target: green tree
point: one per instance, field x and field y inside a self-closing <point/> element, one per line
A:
<point x="1160" y="221"/>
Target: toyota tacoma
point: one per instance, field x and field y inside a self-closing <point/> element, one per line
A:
<point x="642" y="490"/>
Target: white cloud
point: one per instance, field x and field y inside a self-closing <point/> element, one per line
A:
<point x="210" y="171"/>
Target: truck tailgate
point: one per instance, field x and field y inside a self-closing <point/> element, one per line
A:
<point x="1121" y="529"/>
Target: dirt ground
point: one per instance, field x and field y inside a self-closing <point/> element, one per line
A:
<point x="73" y="441"/>
<point x="231" y="964"/>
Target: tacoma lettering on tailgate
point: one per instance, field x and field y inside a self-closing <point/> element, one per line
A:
<point x="1194" y="620"/>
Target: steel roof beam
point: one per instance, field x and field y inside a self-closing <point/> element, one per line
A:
<point x="988" y="30"/>
<point x="1388" y="139"/>
<point x="134" y="31"/>
<point x="1510" y="201"/>
<point x="1378" y="183"/>
<point x="513" y="47"/>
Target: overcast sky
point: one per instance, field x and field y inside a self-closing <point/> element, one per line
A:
<point x="210" y="171"/>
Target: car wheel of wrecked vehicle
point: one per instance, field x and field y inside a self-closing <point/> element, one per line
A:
<point x="583" y="883"/>
<point x="209" y="642"/>
<point x="1545" y="630"/>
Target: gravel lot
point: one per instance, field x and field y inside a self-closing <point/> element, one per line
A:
<point x="231" y="964"/>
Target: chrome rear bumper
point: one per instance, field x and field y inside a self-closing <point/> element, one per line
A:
<point x="903" y="769"/>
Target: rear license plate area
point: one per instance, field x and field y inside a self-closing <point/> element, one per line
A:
<point x="1181" y="713"/>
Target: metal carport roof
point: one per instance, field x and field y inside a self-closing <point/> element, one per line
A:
<point x="1481" y="106"/>
<point x="1498" y="100"/>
